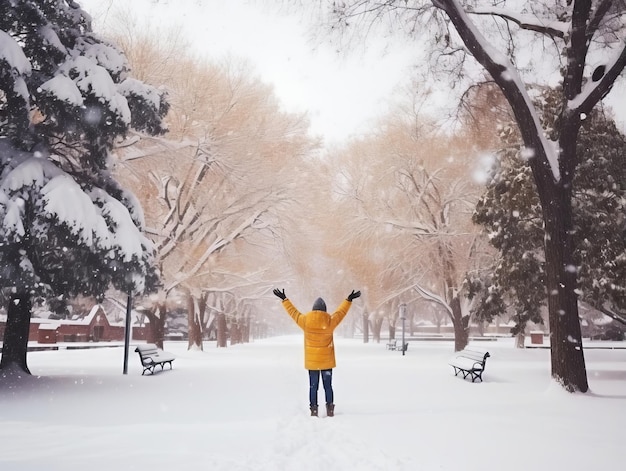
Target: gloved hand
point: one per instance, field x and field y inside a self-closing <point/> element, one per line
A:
<point x="280" y="294"/>
<point x="353" y="295"/>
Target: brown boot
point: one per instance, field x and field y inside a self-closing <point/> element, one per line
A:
<point x="313" y="411"/>
<point x="330" y="410"/>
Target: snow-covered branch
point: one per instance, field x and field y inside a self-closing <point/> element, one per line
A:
<point x="508" y="79"/>
<point x="215" y="246"/>
<point x="595" y="90"/>
<point x="434" y="297"/>
<point x="554" y="29"/>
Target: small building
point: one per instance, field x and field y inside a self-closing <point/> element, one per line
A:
<point x="91" y="327"/>
<point x="94" y="327"/>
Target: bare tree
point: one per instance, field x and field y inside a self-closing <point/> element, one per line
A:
<point x="583" y="43"/>
<point x="414" y="203"/>
<point x="215" y="186"/>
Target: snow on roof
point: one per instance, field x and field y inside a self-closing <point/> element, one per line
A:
<point x="86" y="320"/>
<point x="135" y="321"/>
<point x="51" y="324"/>
<point x="48" y="326"/>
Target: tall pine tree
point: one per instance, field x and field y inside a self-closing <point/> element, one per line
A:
<point x="66" y="226"/>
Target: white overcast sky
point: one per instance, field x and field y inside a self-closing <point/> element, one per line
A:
<point x="341" y="92"/>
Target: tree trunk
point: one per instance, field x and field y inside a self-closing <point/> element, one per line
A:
<point x="245" y="329"/>
<point x="194" y="326"/>
<point x="15" y="344"/>
<point x="568" y="361"/>
<point x="461" y="325"/>
<point x="247" y="326"/>
<point x="222" y="337"/>
<point x="156" y="326"/>
<point x="481" y="328"/>
<point x="262" y="330"/>
<point x="377" y="326"/>
<point x="349" y="328"/>
<point x="392" y="331"/>
<point x="366" y="328"/>
<point x="235" y="332"/>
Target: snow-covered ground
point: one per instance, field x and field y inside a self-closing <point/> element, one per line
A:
<point x="246" y="408"/>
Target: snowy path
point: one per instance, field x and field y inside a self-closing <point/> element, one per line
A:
<point x="245" y="408"/>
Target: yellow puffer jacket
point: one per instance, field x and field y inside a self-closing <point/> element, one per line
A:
<point x="318" y="327"/>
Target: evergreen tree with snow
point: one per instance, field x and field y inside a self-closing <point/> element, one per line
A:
<point x="66" y="226"/>
<point x="510" y="212"/>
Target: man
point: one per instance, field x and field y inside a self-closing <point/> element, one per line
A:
<point x="319" y="348"/>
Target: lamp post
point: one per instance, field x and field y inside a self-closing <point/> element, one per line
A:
<point x="129" y="304"/>
<point x="403" y="318"/>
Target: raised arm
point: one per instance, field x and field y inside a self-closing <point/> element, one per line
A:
<point x="290" y="308"/>
<point x="342" y="310"/>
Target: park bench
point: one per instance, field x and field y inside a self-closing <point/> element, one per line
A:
<point x="151" y="357"/>
<point x="397" y="345"/>
<point x="470" y="362"/>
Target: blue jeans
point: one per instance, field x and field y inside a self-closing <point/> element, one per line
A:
<point x="314" y="383"/>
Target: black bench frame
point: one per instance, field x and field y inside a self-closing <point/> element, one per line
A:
<point x="470" y="362"/>
<point x="151" y="356"/>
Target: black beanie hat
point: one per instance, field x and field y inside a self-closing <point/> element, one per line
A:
<point x="319" y="305"/>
